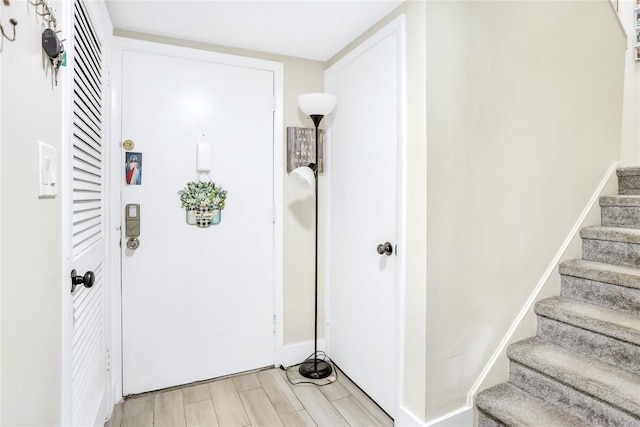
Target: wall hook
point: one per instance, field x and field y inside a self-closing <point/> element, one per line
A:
<point x="13" y="23"/>
<point x="48" y="13"/>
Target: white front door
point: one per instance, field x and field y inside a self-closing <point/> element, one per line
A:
<point x="85" y="341"/>
<point x="363" y="154"/>
<point x="197" y="303"/>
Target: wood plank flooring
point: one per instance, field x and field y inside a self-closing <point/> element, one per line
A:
<point x="257" y="399"/>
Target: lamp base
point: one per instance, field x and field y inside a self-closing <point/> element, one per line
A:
<point x="315" y="369"/>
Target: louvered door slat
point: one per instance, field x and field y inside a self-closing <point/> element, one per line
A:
<point x="87" y="57"/>
<point x="88" y="128"/>
<point x="87" y="324"/>
<point x="89" y="135"/>
<point x="86" y="164"/>
<point x="87" y="117"/>
<point x="82" y="18"/>
<point x="87" y="205"/>
<point x="83" y="239"/>
<point x="86" y="177"/>
<point x="87" y="227"/>
<point x="88" y="342"/>
<point x="81" y="92"/>
<point x="87" y="109"/>
<point x="88" y="186"/>
<point x="88" y="139"/>
<point x="85" y="196"/>
<point x="84" y="337"/>
<point x="83" y="162"/>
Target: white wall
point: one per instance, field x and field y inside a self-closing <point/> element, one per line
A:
<point x="497" y="369"/>
<point x="30" y="230"/>
<point x="630" y="150"/>
<point x="524" y="118"/>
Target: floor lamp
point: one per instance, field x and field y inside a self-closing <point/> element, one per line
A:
<point x="316" y="105"/>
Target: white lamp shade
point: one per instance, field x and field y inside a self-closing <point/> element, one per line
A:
<point x="304" y="174"/>
<point x="320" y="104"/>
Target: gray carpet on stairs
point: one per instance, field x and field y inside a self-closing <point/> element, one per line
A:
<point x="583" y="367"/>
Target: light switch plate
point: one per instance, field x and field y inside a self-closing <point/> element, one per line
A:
<point x="47" y="171"/>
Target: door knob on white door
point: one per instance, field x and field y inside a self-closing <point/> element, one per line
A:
<point x="385" y="248"/>
<point x="87" y="280"/>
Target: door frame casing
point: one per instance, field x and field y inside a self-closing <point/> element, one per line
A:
<point x="120" y="45"/>
<point x="397" y="26"/>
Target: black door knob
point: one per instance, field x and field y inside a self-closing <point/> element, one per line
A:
<point x="385" y="249"/>
<point x="87" y="280"/>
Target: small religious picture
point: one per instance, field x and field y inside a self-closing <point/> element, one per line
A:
<point x="133" y="168"/>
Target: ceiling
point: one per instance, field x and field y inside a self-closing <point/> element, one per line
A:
<point x="311" y="29"/>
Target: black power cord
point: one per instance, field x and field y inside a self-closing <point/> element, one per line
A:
<point x="321" y="356"/>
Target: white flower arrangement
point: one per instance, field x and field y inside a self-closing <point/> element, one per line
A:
<point x="202" y="195"/>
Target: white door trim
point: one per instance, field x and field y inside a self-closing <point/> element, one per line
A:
<point x="114" y="197"/>
<point x="396" y="26"/>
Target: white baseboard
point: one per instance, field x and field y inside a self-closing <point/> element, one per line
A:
<point x="296" y="353"/>
<point x="462" y="417"/>
<point x="405" y="418"/>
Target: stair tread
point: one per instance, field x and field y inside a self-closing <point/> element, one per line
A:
<point x="623" y="325"/>
<point x="613" y="234"/>
<point x="515" y="407"/>
<point x="620" y="200"/>
<point x="628" y="171"/>
<point x="601" y="272"/>
<point x="618" y="387"/>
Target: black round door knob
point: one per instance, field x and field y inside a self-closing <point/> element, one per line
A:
<point x="87" y="280"/>
<point x="385" y="249"/>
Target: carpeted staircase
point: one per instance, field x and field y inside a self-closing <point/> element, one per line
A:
<point x="583" y="367"/>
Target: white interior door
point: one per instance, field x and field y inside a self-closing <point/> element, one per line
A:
<point x="363" y="142"/>
<point x="197" y="303"/>
<point x="87" y="370"/>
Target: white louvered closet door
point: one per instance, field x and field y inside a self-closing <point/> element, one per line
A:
<point x="87" y="241"/>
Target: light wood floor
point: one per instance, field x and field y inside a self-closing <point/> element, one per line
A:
<point x="258" y="399"/>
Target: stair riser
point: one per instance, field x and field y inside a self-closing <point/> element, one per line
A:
<point x="615" y="352"/>
<point x="593" y="411"/>
<point x="485" y="420"/>
<point x="617" y="253"/>
<point x="599" y="293"/>
<point x="621" y="216"/>
<point x="629" y="185"/>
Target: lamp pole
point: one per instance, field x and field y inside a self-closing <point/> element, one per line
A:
<point x="316" y="369"/>
<point x="316" y="121"/>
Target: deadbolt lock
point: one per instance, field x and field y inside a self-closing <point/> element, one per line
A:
<point x="133" y="243"/>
